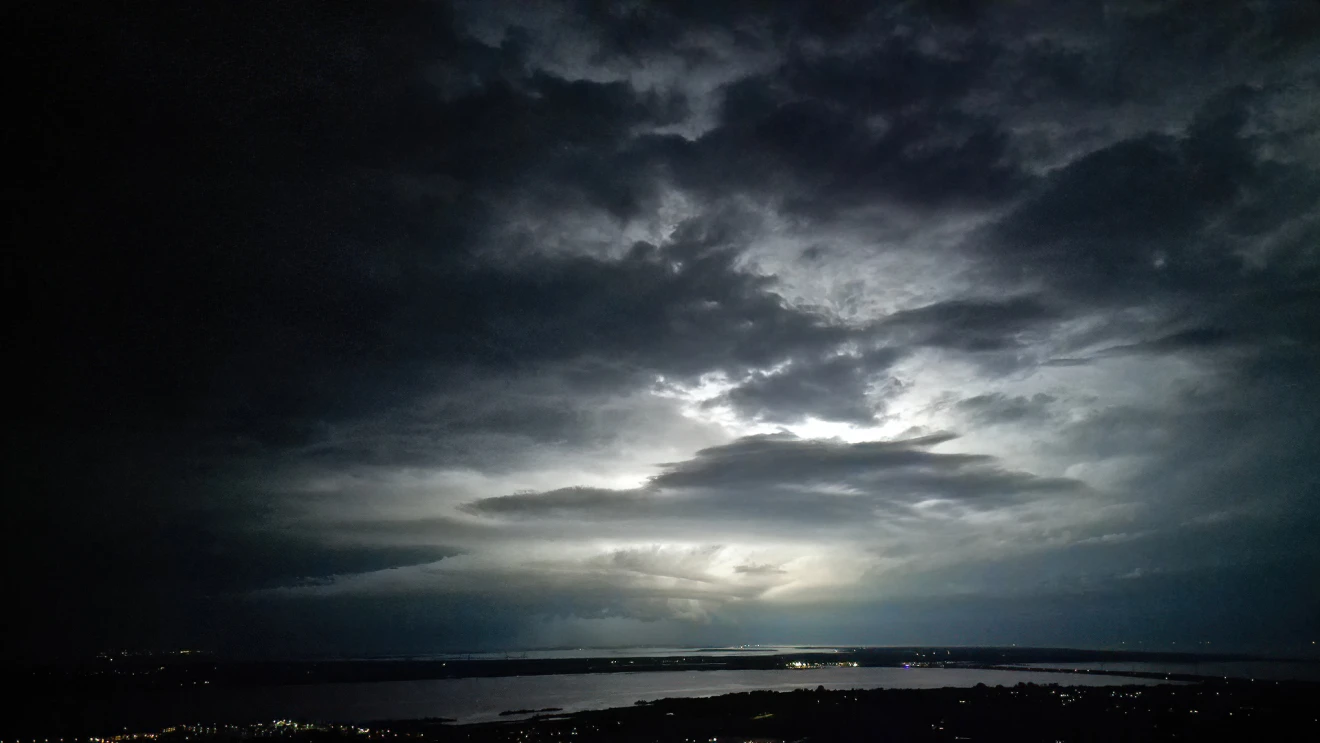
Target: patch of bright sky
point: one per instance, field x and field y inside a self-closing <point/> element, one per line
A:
<point x="699" y="402"/>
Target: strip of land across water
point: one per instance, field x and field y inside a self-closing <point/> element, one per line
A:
<point x="147" y="671"/>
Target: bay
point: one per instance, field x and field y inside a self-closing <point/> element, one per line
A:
<point x="483" y="699"/>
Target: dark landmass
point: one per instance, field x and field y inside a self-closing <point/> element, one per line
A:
<point x="1233" y="711"/>
<point x="107" y="674"/>
<point x="509" y="712"/>
<point x="1220" y="711"/>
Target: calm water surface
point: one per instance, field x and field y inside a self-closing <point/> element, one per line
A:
<point x="481" y="699"/>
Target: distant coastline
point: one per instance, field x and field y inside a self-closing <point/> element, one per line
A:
<point x="133" y="673"/>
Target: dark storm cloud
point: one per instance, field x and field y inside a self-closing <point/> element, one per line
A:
<point x="970" y="325"/>
<point x="1168" y="224"/>
<point x="786" y="481"/>
<point x="641" y="32"/>
<point x="1195" y="339"/>
<point x="286" y="247"/>
<point x="566" y="500"/>
<point x="1134" y="216"/>
<point x="682" y="308"/>
<point x="1001" y="408"/>
<point x="275" y="260"/>
<point x="834" y="389"/>
<point x="784" y="509"/>
<point x="240" y="563"/>
<point x="552" y="139"/>
<point x="1211" y="448"/>
<point x="587" y="327"/>
<point x="820" y="131"/>
<point x="799" y="138"/>
<point x="314" y="327"/>
<point x="767" y="459"/>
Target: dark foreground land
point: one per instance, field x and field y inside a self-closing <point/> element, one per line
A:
<point x="1227" y="712"/>
<point x="1233" y="711"/>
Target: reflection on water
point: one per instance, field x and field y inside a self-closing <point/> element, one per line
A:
<point x="478" y="699"/>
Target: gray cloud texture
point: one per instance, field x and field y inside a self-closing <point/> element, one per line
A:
<point x="479" y="324"/>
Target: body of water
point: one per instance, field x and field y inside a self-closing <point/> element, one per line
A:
<point x="482" y="699"/>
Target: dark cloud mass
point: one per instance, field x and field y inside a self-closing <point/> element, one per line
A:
<point x="995" y="408"/>
<point x="834" y="389"/>
<point x="419" y="326"/>
<point x="786" y="482"/>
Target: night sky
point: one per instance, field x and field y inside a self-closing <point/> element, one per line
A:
<point x="364" y="328"/>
